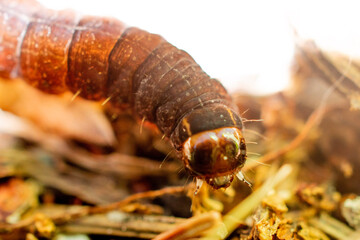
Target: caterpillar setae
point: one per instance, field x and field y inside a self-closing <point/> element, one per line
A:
<point x="100" y="58"/>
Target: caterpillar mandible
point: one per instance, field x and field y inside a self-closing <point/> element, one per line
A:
<point x="100" y="58"/>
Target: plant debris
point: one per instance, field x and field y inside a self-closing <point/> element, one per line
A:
<point x="75" y="181"/>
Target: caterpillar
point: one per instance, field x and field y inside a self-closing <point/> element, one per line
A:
<point x="100" y="58"/>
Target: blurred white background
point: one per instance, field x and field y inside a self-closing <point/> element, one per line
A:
<point x="248" y="45"/>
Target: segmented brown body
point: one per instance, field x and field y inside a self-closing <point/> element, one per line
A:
<point x="100" y="58"/>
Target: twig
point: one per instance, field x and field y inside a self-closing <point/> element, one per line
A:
<point x="138" y="196"/>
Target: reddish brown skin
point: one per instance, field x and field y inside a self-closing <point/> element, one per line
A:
<point x="99" y="58"/>
<point x="47" y="74"/>
<point x="89" y="53"/>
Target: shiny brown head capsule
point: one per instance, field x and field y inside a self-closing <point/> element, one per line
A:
<point x="213" y="147"/>
<point x="215" y="156"/>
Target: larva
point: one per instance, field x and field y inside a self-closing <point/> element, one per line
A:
<point x="100" y="58"/>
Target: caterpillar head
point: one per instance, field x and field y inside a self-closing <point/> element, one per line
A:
<point x="215" y="156"/>
<point x="212" y="145"/>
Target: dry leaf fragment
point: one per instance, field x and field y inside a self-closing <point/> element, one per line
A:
<point x="286" y="230"/>
<point x="44" y="226"/>
<point x="268" y="224"/>
<point x="351" y="212"/>
<point x="17" y="196"/>
<point x="275" y="203"/>
<point x="79" y="119"/>
<point x="320" y="197"/>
